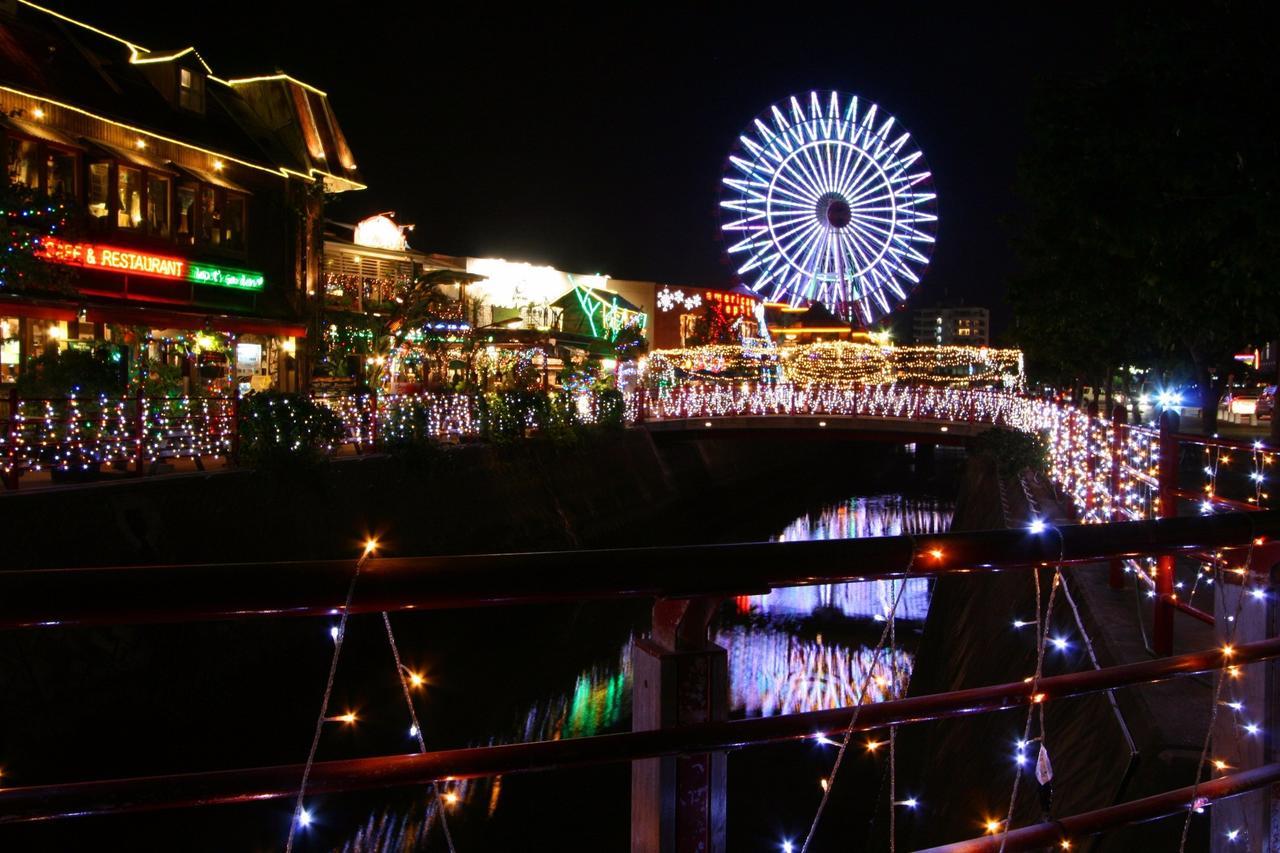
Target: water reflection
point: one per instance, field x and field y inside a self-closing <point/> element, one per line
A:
<point x="772" y="672"/>
<point x="792" y="650"/>
<point x="600" y="697"/>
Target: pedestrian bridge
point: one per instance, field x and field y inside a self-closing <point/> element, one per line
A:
<point x="869" y="413"/>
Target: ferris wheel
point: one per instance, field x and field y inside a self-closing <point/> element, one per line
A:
<point x="829" y="200"/>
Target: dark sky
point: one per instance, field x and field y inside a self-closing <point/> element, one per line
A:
<point x="596" y="143"/>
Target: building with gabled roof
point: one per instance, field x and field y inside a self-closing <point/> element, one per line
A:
<point x="198" y="200"/>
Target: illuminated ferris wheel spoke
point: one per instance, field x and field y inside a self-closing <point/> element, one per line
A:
<point x="864" y="249"/>
<point x="858" y="182"/>
<point x="794" y="173"/>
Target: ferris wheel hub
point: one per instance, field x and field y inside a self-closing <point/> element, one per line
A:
<point x="834" y="210"/>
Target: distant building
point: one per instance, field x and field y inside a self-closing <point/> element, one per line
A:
<point x="952" y="325"/>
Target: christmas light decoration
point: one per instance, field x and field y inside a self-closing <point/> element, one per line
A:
<point x="830" y="202"/>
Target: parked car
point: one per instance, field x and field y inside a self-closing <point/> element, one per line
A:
<point x="1266" y="405"/>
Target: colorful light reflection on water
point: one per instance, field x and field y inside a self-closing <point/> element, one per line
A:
<point x="789" y="651"/>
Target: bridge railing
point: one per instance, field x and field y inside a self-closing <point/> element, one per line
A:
<point x="909" y="402"/>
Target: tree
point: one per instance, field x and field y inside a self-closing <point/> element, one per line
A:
<point x="420" y="310"/>
<point x="713" y="326"/>
<point x="1153" y="203"/>
<point x="29" y="218"/>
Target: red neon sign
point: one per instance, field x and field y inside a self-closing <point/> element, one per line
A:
<point x="112" y="258"/>
<point x="733" y="303"/>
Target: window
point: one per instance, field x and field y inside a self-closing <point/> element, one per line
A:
<point x="129" y="213"/>
<point x="24" y="167"/>
<point x="60" y="172"/>
<point x="158" y="205"/>
<point x="210" y="217"/>
<point x="99" y="189"/>
<point x="190" y="90"/>
<point x="233" y="222"/>
<point x="185" y="213"/>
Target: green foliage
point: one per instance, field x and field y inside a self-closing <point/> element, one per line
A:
<point x="504" y="417"/>
<point x="28" y="216"/>
<point x="1151" y="228"/>
<point x="1013" y="450"/>
<point x="285" y="430"/>
<point x="514" y="415"/>
<point x="82" y="372"/>
<point x="611" y="409"/>
<point x="630" y="343"/>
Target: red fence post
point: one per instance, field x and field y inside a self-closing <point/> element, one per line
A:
<point x="1162" y="630"/>
<point x="1119" y="424"/>
<point x="373" y="420"/>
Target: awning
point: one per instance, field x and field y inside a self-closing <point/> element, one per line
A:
<point x="39" y="131"/>
<point x="154" y="318"/>
<point x="213" y="178"/>
<point x="132" y="156"/>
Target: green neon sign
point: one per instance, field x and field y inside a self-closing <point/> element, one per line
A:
<point x="225" y="277"/>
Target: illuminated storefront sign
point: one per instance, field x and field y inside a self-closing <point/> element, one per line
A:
<point x="111" y="258"/>
<point x="134" y="262"/>
<point x="225" y="277"/>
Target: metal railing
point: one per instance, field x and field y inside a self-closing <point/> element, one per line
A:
<point x="65" y="597"/>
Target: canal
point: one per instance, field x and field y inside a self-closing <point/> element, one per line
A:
<point x="549" y="673"/>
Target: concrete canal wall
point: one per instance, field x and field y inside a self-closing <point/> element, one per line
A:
<point x="465" y="499"/>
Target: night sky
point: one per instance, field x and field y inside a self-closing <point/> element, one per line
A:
<point x="596" y="144"/>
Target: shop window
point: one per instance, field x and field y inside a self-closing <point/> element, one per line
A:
<point x="158" y="205"/>
<point x="24" y="165"/>
<point x="233" y="222"/>
<point x="60" y="172"/>
<point x="210" y="217"/>
<point x="99" y="189"/>
<point x="185" y="213"/>
<point x="10" y="348"/>
<point x="190" y="90"/>
<point x="129" y="213"/>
